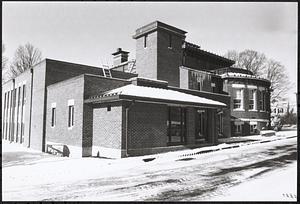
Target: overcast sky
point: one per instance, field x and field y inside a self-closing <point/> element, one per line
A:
<point x="88" y="32"/>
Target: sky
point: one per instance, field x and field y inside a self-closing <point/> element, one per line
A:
<point x="88" y="32"/>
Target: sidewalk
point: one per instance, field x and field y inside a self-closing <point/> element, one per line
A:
<point x="226" y="143"/>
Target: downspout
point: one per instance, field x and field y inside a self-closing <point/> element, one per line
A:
<point x="126" y="125"/>
<point x="30" y="110"/>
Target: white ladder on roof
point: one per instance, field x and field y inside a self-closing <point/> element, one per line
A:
<point x="106" y="72"/>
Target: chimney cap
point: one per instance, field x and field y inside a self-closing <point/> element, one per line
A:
<point x="120" y="51"/>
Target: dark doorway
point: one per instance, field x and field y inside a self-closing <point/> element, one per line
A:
<point x="176" y="125"/>
<point x="201" y="126"/>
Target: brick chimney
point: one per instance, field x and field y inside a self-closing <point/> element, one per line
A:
<point x="120" y="56"/>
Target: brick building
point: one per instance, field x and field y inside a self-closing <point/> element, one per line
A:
<point x="173" y="96"/>
<point x="250" y="100"/>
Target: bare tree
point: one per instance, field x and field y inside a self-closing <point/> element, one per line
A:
<point x="4" y="65"/>
<point x="248" y="59"/>
<point x="4" y="59"/>
<point x="25" y="57"/>
<point x="276" y="73"/>
<point x="233" y="55"/>
<point x="252" y="60"/>
<point x="261" y="66"/>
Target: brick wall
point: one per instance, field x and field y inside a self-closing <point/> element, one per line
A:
<point x="96" y="85"/>
<point x="199" y="62"/>
<point x="61" y="133"/>
<point x="59" y="71"/>
<point x="87" y="130"/>
<point x="227" y="131"/>
<point x="38" y="107"/>
<point x="147" y="127"/>
<point x="169" y="58"/>
<point x="248" y="114"/>
<point x="107" y="131"/>
<point x="191" y="126"/>
<point x="146" y="58"/>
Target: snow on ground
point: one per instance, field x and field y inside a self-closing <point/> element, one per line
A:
<point x="25" y="168"/>
<point x="278" y="185"/>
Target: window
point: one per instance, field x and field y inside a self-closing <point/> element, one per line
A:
<point x="200" y="80"/>
<point x="4" y="116"/>
<point x="274" y="111"/>
<point x="15" y="97"/>
<point x="176" y="125"/>
<point x="145" y="41"/>
<point x="18" y="113"/>
<point x="71" y="116"/>
<point x="53" y="117"/>
<point x="24" y="94"/>
<point x="238" y="128"/>
<point x="109" y="108"/>
<point x="170" y="41"/>
<point x="262" y="101"/>
<point x="19" y="96"/>
<point x="199" y="87"/>
<point x="23" y="113"/>
<point x="213" y="85"/>
<point x="252" y="128"/>
<point x="237" y="101"/>
<point x="252" y="99"/>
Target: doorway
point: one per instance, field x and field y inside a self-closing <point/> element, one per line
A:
<point x="201" y="126"/>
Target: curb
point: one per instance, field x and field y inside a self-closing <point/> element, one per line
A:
<point x="234" y="146"/>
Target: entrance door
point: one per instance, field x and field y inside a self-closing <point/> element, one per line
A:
<point x="176" y="125"/>
<point x="201" y="125"/>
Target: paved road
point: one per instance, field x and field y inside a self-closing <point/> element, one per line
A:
<point x="199" y="177"/>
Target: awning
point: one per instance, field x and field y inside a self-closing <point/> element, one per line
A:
<point x="151" y="94"/>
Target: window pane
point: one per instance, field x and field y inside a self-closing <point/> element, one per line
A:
<point x="238" y="93"/>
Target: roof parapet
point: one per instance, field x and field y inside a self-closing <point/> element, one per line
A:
<point x="151" y="27"/>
